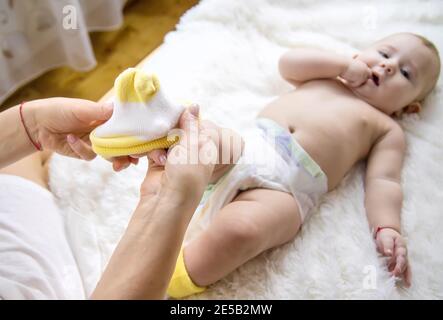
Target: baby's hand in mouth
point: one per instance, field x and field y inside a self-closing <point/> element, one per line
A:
<point x="357" y="73"/>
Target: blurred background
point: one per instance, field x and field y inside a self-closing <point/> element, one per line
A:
<point x="112" y="35"/>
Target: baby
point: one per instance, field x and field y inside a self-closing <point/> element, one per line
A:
<point x="340" y="113"/>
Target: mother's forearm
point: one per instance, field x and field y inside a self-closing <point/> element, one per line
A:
<point x="14" y="142"/>
<point x="144" y="260"/>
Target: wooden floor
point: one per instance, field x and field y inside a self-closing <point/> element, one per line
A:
<point x="146" y="22"/>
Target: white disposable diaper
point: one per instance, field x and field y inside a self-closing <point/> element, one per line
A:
<point x="271" y="159"/>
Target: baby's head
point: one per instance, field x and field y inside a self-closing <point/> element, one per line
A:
<point x="405" y="68"/>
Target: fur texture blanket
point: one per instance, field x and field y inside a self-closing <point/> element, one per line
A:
<point x="224" y="56"/>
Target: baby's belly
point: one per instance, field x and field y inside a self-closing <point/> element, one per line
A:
<point x="332" y="150"/>
<point x="332" y="153"/>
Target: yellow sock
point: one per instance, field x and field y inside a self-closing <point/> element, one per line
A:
<point x="181" y="285"/>
<point x="142" y="117"/>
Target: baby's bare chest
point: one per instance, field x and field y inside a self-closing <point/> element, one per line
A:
<point x="335" y="129"/>
<point x="324" y="109"/>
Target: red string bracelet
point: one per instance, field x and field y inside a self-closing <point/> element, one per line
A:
<point x="37" y="145"/>
<point x="381" y="228"/>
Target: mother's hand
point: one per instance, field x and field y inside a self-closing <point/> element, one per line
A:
<point x="189" y="164"/>
<point x="169" y="197"/>
<point x="63" y="125"/>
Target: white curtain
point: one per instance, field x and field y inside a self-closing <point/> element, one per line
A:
<point x="38" y="35"/>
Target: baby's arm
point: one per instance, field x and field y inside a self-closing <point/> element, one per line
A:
<point x="383" y="198"/>
<point x="303" y="64"/>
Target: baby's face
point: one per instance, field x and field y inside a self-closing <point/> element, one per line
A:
<point x="402" y="69"/>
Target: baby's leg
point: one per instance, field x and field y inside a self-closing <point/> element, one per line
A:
<point x="256" y="220"/>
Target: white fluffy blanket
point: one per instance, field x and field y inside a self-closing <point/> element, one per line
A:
<point x="224" y="55"/>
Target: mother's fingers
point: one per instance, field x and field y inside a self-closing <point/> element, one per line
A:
<point x="123" y="162"/>
<point x="80" y="147"/>
<point x="208" y="151"/>
<point x="133" y="160"/>
<point x="189" y="119"/>
<point x="158" y="156"/>
<point x="88" y="111"/>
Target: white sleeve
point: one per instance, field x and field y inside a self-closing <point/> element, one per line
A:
<point x="36" y="260"/>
